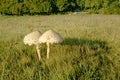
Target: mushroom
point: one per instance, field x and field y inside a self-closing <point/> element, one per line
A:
<point x="33" y="39"/>
<point x="48" y="37"/>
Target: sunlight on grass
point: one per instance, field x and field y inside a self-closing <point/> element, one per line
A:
<point x="89" y="51"/>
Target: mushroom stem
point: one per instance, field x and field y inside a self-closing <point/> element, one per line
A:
<point x="48" y="49"/>
<point x="38" y="51"/>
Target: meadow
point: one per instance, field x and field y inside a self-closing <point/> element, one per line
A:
<point x="90" y="49"/>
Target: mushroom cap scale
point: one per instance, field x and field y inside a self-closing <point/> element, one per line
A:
<point x="32" y="38"/>
<point x="50" y="36"/>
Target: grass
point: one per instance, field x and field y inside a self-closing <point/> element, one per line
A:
<point x="90" y="50"/>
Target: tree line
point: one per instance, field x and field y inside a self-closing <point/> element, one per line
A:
<point x="32" y="7"/>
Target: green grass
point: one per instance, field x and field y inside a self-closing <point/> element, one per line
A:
<point x="90" y="50"/>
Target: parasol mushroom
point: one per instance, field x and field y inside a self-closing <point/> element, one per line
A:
<point x="48" y="37"/>
<point x="33" y="39"/>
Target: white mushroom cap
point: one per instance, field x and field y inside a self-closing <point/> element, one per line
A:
<point x="50" y="36"/>
<point x="32" y="38"/>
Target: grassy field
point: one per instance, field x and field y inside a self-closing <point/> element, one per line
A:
<point x="90" y="50"/>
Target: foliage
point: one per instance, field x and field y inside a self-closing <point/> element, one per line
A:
<point x="113" y="8"/>
<point x="20" y="7"/>
<point x="65" y="5"/>
<point x="31" y="7"/>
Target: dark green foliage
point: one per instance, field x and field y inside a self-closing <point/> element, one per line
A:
<point x="20" y="7"/>
<point x="113" y="8"/>
<point x="65" y="5"/>
<point x="32" y="7"/>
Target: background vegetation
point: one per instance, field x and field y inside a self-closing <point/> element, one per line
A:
<point x="31" y="7"/>
<point x="90" y="50"/>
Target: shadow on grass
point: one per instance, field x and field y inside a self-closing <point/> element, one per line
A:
<point x="90" y="53"/>
<point x="93" y="44"/>
<point x="87" y="48"/>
